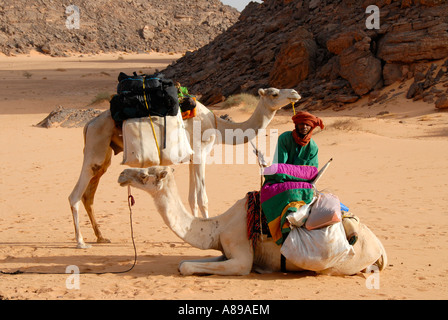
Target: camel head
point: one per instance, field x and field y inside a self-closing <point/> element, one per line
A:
<point x="149" y="179"/>
<point x="275" y="99"/>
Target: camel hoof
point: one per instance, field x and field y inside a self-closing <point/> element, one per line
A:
<point x="102" y="240"/>
<point x="83" y="246"/>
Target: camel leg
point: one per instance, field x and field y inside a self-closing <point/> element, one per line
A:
<point x="97" y="154"/>
<point x="197" y="194"/>
<point x="75" y="200"/>
<point x="89" y="195"/>
<point x="199" y="171"/>
<point x="238" y="259"/>
<point x="84" y="192"/>
<point x="192" y="194"/>
<point x="203" y="199"/>
<point x="211" y="259"/>
<point x="232" y="267"/>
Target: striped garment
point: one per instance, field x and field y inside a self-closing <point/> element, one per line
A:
<point x="284" y="183"/>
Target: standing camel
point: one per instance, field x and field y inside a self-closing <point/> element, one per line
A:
<point x="228" y="234"/>
<point x="102" y="138"/>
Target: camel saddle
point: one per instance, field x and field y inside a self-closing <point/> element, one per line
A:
<point x="257" y="223"/>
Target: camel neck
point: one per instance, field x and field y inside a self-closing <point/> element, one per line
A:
<point x="260" y="119"/>
<point x="195" y="231"/>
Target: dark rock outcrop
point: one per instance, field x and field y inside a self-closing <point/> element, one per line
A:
<point x="68" y="117"/>
<point x="322" y="48"/>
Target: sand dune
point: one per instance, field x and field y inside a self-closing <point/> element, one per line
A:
<point x="390" y="169"/>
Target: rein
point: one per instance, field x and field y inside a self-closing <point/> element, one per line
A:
<point x="131" y="202"/>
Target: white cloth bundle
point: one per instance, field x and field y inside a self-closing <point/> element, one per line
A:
<point x="141" y="148"/>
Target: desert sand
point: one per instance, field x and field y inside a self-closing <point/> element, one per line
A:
<point x="389" y="168"/>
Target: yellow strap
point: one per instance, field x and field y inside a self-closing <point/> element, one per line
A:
<point x="152" y="124"/>
<point x="293" y="109"/>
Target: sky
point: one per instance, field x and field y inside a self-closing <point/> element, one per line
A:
<point x="239" y="4"/>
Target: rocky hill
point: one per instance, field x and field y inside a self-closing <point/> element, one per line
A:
<point x="324" y="49"/>
<point x="111" y="25"/>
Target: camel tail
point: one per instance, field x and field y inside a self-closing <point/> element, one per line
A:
<point x="84" y="132"/>
<point x="382" y="261"/>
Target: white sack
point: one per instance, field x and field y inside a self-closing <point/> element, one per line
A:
<point x="318" y="249"/>
<point x="139" y="143"/>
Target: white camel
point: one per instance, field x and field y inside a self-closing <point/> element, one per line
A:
<point x="228" y="234"/>
<point x="102" y="138"/>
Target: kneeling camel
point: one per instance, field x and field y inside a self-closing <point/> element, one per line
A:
<point x="227" y="233"/>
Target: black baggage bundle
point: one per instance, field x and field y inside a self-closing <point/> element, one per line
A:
<point x="143" y="95"/>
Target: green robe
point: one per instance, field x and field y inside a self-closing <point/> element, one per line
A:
<point x="288" y="151"/>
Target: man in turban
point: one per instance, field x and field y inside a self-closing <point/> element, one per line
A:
<point x="296" y="147"/>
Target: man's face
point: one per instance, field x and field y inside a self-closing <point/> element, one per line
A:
<point x="303" y="128"/>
